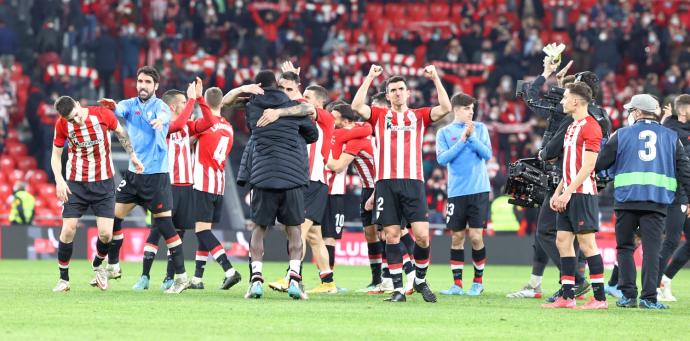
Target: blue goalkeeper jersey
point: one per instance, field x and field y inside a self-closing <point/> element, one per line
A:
<point x="149" y="144"/>
<point x="466" y="161"/>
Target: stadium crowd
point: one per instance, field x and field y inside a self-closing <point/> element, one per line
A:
<point x="90" y="49"/>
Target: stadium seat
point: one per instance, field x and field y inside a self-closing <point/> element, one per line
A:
<point x="5" y="192"/>
<point x="36" y="176"/>
<point x="374" y="12"/>
<point x="439" y="11"/>
<point x="6" y="163"/>
<point x="16" y="149"/>
<point x="12" y="136"/>
<point x="5" y="213"/>
<point x="394" y="10"/>
<point x="26" y="163"/>
<point x="47" y="191"/>
<point x="418" y="12"/>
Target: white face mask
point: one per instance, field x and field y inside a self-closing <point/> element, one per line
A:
<point x="675" y="21"/>
<point x="603" y="36"/>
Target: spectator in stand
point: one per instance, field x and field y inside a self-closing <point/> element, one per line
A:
<point x="436" y="45"/>
<point x="8" y="44"/>
<point x="48" y="39"/>
<point x="130" y="43"/>
<point x="104" y="47"/>
<point x="269" y="24"/>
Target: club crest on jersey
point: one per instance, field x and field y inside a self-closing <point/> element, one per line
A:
<point x="148" y="115"/>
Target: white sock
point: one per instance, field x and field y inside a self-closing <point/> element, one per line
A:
<point x="196" y="280"/>
<point x="295" y="265"/>
<point x="182" y="276"/>
<point x="534" y="281"/>
<point x="257" y="267"/>
<point x="115" y="267"/>
<point x="419" y="280"/>
<point x="230" y="272"/>
<point x="665" y="279"/>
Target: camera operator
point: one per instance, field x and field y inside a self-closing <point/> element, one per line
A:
<point x="545" y="238"/>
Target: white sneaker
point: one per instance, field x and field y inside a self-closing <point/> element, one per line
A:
<point x="114" y="271"/>
<point x="663" y="293"/>
<point x="61" y="286"/>
<point x="179" y="286"/>
<point x="526" y="292"/>
<point x="101" y="278"/>
<point x="387" y="285"/>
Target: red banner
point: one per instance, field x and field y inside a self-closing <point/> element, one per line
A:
<point x="132" y="245"/>
<point x="351" y="249"/>
<point x="607" y="247"/>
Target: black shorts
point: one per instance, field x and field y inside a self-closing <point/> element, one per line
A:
<point x="183" y="207"/>
<point x="99" y="195"/>
<point x="581" y="214"/>
<point x="207" y="206"/>
<point x="464" y="210"/>
<point x="399" y="199"/>
<point x="315" y="200"/>
<point x="285" y="205"/>
<point x="366" y="216"/>
<point x="334" y="219"/>
<point x="151" y="191"/>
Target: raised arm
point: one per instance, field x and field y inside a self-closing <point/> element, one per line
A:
<point x="232" y="95"/>
<point x="359" y="101"/>
<point x="127" y="145"/>
<point x="443" y="108"/>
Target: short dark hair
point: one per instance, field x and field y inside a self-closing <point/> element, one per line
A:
<point x="291" y="76"/>
<point x="330" y="106"/>
<point x="345" y="111"/>
<point x="462" y="100"/>
<point x="682" y="100"/>
<point x="64" y="105"/>
<point x="581" y="89"/>
<point x="380" y="97"/>
<point x="395" y="79"/>
<point x="214" y="97"/>
<point x="266" y="78"/>
<point x="169" y="96"/>
<point x="319" y="91"/>
<point x="149" y="71"/>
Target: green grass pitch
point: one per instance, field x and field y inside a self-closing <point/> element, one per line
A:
<point x="29" y="310"/>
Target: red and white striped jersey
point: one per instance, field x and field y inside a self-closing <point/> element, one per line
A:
<point x="180" y="157"/>
<point x="398" y="139"/>
<point x="335" y="181"/>
<point x="212" y="149"/>
<point x="325" y="123"/>
<point x="583" y="135"/>
<point x="363" y="151"/>
<point x="89" y="145"/>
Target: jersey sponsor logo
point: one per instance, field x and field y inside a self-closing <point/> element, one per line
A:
<point x="86" y="144"/>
